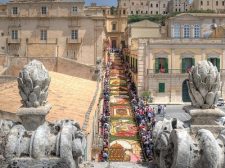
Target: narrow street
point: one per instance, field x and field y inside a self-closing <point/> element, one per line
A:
<point x="124" y="140"/>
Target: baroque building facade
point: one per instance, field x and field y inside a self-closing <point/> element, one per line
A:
<point x="214" y="5"/>
<point x="163" y="63"/>
<point x="179" y="6"/>
<point x="144" y="7"/>
<point x="60" y="28"/>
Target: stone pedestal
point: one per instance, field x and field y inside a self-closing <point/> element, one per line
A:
<point x="31" y="117"/>
<point x="205" y="119"/>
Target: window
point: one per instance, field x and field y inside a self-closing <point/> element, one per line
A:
<point x="215" y="62"/>
<point x="164" y="5"/>
<point x="156" y="12"/>
<point x="74" y="9"/>
<point x="217" y="3"/>
<point x="124" y="11"/>
<point x="176" y="31"/>
<point x="207" y="3"/>
<point x="157" y="5"/>
<point x="43" y="34"/>
<point x="161" y="65"/>
<point x="151" y="12"/>
<point x="151" y="5"/>
<point x="74" y="34"/>
<point x="201" y="3"/>
<point x="141" y="12"/>
<point x="137" y="12"/>
<point x="142" y="3"/>
<point x="124" y="4"/>
<point x="146" y="12"/>
<point x="132" y="3"/>
<point x="196" y="31"/>
<point x="223" y="3"/>
<point x="14" y="10"/>
<point x="14" y="34"/>
<point x="161" y="87"/>
<point x="43" y="10"/>
<point x="114" y="26"/>
<point x="186" y="31"/>
<point x="187" y="63"/>
<point x="132" y="12"/>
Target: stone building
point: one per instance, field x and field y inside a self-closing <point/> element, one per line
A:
<point x="144" y="7"/>
<point x="61" y="28"/>
<point x="163" y="62"/>
<point x="179" y="6"/>
<point x="134" y="31"/>
<point x="115" y="24"/>
<point x="215" y="5"/>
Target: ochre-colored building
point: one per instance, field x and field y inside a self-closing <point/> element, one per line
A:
<point x="144" y="7"/>
<point x="215" y="5"/>
<point x="142" y="29"/>
<point x="163" y="62"/>
<point x="60" y="28"/>
<point x="116" y="22"/>
<point x="179" y="6"/>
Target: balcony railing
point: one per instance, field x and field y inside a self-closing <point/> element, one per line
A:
<point x="13" y="41"/>
<point x="74" y="41"/>
<point x="187" y="40"/>
<point x="174" y="72"/>
<point x="39" y="41"/>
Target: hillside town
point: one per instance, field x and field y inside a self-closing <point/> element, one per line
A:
<point x="139" y="84"/>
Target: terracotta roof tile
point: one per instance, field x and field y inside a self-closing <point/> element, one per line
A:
<point x="69" y="96"/>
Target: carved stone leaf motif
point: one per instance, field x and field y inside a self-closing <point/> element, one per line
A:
<point x="204" y="84"/>
<point x="33" y="83"/>
<point x="210" y="97"/>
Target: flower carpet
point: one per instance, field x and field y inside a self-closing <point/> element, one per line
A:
<point x="124" y="141"/>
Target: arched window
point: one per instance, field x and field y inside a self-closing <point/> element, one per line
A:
<point x="201" y="3"/>
<point x="176" y="31"/>
<point x="151" y="5"/>
<point x="196" y="31"/>
<point x="186" y="31"/>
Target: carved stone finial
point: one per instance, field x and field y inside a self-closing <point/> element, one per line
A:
<point x="33" y="83"/>
<point x="204" y="85"/>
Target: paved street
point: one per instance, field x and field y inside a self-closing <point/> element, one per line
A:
<point x="176" y="111"/>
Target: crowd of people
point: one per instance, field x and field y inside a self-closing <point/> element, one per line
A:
<point x="105" y="118"/>
<point x="144" y="115"/>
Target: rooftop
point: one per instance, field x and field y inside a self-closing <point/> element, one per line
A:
<point x="200" y="15"/>
<point x="41" y="1"/>
<point x="69" y="96"/>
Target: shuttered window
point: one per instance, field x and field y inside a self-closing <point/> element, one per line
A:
<point x="215" y="62"/>
<point x="187" y="63"/>
<point x="161" y="65"/>
<point x="161" y="87"/>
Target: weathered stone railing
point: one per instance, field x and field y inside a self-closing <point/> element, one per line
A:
<point x="7" y="78"/>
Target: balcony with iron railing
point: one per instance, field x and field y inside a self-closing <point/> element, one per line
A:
<point x="39" y="41"/>
<point x="74" y="41"/>
<point x="13" y="41"/>
<point x="186" y="41"/>
<point x="174" y="72"/>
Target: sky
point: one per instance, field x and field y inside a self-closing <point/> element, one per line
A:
<point x="99" y="2"/>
